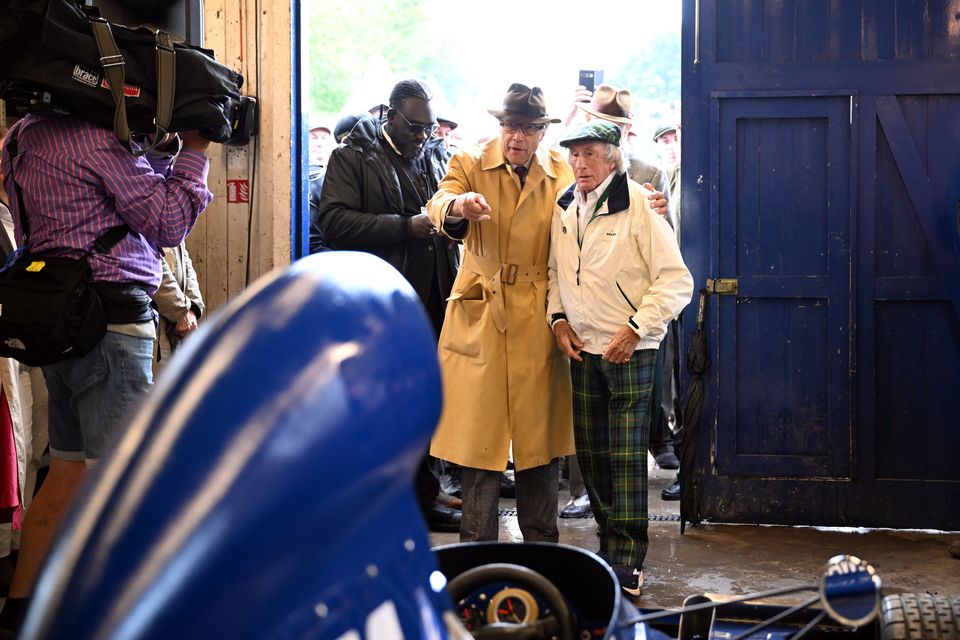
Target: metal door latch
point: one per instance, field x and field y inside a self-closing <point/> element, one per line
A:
<point x="723" y="286"/>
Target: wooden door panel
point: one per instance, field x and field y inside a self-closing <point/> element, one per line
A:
<point x="784" y="383"/>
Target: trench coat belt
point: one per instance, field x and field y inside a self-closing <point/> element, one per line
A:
<point x="500" y="275"/>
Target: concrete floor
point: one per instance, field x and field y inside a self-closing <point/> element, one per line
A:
<point x="739" y="559"/>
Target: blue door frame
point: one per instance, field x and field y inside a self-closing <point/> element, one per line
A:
<point x="820" y="171"/>
<point x="300" y="163"/>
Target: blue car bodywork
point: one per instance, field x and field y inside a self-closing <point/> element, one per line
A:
<point x="264" y="487"/>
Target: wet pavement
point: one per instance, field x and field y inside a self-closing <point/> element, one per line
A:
<point x="740" y="559"/>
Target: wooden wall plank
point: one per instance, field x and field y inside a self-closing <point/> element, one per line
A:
<point x="219" y="241"/>
<point x="208" y="239"/>
<point x="273" y="181"/>
<point x="235" y="40"/>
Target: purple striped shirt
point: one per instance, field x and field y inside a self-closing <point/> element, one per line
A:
<point x="78" y="181"/>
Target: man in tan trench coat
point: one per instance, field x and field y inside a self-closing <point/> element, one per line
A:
<point x="504" y="378"/>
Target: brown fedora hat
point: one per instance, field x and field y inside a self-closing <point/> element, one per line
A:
<point x="610" y="103"/>
<point x="523" y="104"/>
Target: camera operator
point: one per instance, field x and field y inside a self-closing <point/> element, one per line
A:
<point x="78" y="181"/>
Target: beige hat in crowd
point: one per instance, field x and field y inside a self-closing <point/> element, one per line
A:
<point x="611" y="104"/>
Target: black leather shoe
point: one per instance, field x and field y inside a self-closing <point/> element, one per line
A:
<point x="441" y="518"/>
<point x="671" y="493"/>
<point x="12" y="617"/>
<point x="578" y="507"/>
<point x="508" y="488"/>
<point x="631" y="580"/>
<point x="667" y="460"/>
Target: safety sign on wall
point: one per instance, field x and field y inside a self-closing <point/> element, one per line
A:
<point x="238" y="191"/>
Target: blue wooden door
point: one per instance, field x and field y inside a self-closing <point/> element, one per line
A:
<point x="821" y="178"/>
<point x="783" y="231"/>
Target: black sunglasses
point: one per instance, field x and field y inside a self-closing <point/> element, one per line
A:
<point x="528" y="129"/>
<point x="417" y="129"/>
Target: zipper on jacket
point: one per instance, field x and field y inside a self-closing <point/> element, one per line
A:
<point x="619" y="288"/>
<point x="596" y="211"/>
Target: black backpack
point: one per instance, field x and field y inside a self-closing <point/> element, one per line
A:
<point x="59" y="55"/>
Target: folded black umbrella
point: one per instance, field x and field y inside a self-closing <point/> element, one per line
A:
<point x="698" y="361"/>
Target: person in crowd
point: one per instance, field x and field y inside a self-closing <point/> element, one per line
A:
<point x="376" y="186"/>
<point x="667" y="137"/>
<point x="341" y="130"/>
<point x="616" y="279"/>
<point x="77" y="181"/>
<point x="178" y="301"/>
<point x="322" y="143"/>
<point x="504" y="380"/>
<point x="615" y="105"/>
<point x="25" y="394"/>
<point x="11" y="417"/>
<point x="445" y="131"/>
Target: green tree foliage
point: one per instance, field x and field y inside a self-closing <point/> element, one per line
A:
<point x="653" y="76"/>
<point x="342" y="38"/>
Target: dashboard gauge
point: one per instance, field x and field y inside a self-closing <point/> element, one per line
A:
<point x="471" y="617"/>
<point x="513" y="605"/>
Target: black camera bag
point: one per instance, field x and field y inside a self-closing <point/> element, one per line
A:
<point x="64" y="57"/>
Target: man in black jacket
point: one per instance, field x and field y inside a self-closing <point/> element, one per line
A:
<point x="376" y="185"/>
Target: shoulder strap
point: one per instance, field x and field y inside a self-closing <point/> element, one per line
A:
<point x="114" y="69"/>
<point x="166" y="89"/>
<point x="166" y="82"/>
<point x="108" y="240"/>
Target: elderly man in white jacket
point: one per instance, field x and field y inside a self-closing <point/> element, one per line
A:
<point x="616" y="279"/>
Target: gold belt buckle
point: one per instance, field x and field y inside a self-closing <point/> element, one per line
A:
<point x="512" y="270"/>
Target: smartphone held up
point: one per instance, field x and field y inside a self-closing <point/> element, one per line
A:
<point x="590" y="78"/>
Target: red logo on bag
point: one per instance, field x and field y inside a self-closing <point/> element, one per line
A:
<point x="129" y="90"/>
<point x="238" y="191"/>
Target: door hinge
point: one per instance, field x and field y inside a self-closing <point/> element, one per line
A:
<point x="723" y="286"/>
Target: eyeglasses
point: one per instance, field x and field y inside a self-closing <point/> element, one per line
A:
<point x="417" y="129"/>
<point x="528" y="129"/>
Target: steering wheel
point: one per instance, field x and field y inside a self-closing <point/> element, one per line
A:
<point x="558" y="623"/>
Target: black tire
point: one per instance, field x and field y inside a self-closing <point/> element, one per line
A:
<point x="920" y="616"/>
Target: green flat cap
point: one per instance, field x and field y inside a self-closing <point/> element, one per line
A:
<point x="593" y="131"/>
<point x="662" y="129"/>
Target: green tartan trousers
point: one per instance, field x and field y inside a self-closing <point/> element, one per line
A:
<point x="612" y="404"/>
